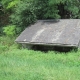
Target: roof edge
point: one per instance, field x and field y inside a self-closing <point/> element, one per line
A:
<point x="49" y="44"/>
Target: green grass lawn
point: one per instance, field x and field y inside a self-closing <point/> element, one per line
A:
<point x="25" y="64"/>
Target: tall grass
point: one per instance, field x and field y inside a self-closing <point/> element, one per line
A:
<point x="7" y="43"/>
<point x="23" y="64"/>
<point x="35" y="65"/>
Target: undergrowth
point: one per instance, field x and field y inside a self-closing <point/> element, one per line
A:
<point x="7" y="43"/>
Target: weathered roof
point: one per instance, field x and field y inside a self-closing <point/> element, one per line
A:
<point x="63" y="32"/>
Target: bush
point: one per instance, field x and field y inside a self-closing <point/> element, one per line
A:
<point x="3" y="48"/>
<point x="10" y="30"/>
<point x="7" y="43"/>
<point x="24" y="14"/>
<point x="47" y="9"/>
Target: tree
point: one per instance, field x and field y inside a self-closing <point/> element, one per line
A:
<point x="22" y="13"/>
<point x="73" y="8"/>
<point x="46" y="10"/>
<point x="50" y="9"/>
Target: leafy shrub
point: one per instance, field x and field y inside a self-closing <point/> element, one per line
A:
<point x="24" y="14"/>
<point x="7" y="43"/>
<point x="3" y="48"/>
<point x="72" y="7"/>
<point x="10" y="30"/>
<point x="47" y="9"/>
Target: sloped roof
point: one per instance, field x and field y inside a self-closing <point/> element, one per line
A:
<point x="63" y="32"/>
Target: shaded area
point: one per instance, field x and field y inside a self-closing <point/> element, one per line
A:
<point x="53" y="48"/>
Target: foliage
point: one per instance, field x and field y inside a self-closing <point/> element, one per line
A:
<point x="45" y="10"/>
<point x="6" y="10"/>
<point x="12" y="4"/>
<point x="9" y="30"/>
<point x="27" y="11"/>
<point x="9" y="4"/>
<point x="73" y="7"/>
<point x="8" y="43"/>
<point x="58" y="9"/>
<point x="3" y="48"/>
<point x="24" y="14"/>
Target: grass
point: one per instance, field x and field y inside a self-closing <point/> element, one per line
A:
<point x="7" y="43"/>
<point x="34" y="65"/>
<point x="23" y="64"/>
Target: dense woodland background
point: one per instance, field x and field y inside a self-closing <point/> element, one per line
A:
<point x="16" y="15"/>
